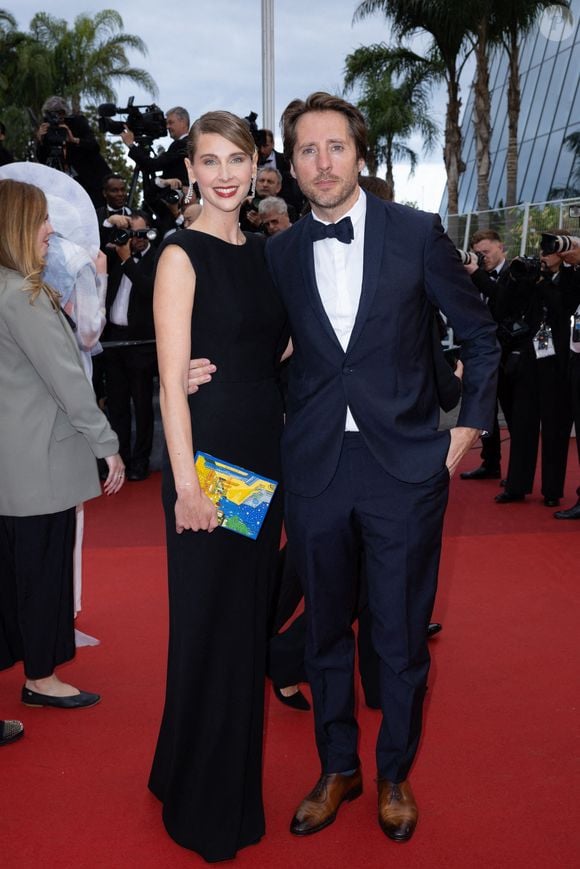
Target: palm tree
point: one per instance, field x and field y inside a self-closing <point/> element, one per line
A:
<point x="393" y="112"/>
<point x="87" y="58"/>
<point x="446" y="23"/>
<point x="513" y="20"/>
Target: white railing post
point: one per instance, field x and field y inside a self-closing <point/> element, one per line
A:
<point x="525" y="222"/>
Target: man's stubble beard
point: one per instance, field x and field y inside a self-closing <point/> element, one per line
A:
<point x="337" y="198"/>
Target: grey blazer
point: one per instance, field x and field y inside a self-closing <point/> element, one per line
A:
<point x="51" y="428"/>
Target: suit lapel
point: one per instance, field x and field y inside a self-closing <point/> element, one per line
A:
<point x="375" y="228"/>
<point x="307" y="260"/>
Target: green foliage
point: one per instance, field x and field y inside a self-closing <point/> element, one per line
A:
<point x="80" y="62"/>
<point x="393" y="110"/>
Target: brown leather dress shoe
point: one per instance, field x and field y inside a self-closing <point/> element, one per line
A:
<point x="318" y="809"/>
<point x="397" y="810"/>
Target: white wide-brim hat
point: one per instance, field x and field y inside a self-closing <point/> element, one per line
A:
<point x="71" y="212"/>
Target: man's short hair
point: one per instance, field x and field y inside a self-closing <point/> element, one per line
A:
<point x="273" y="169"/>
<point x="323" y="102"/>
<point x="144" y="215"/>
<point x="272" y="203"/>
<point x="181" y="113"/>
<point x="112" y="176"/>
<point x="485" y="235"/>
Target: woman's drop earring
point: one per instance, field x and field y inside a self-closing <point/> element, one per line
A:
<point x="189" y="194"/>
<point x="253" y="187"/>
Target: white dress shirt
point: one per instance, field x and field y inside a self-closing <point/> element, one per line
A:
<point x="339" y="273"/>
<point x="120" y="307"/>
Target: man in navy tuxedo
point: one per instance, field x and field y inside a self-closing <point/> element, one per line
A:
<point x="364" y="462"/>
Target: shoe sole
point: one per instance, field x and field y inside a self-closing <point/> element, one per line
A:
<point x="395" y="838"/>
<point x="52" y="706"/>
<point x="352" y="795"/>
<point x="12" y="738"/>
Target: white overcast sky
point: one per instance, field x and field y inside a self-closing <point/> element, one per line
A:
<point x="206" y="54"/>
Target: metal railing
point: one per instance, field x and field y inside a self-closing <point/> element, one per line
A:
<point x="518" y="226"/>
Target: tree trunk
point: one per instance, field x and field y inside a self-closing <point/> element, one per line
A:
<point x="454" y="165"/>
<point x="481" y="121"/>
<point x="513" y="101"/>
<point x="389" y="176"/>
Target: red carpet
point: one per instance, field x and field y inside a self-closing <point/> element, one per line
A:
<point x="495" y="773"/>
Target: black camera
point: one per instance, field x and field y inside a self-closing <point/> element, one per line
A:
<point x="529" y="268"/>
<point x="55" y="136"/>
<point x="251" y="122"/>
<point x="551" y="243"/>
<point x="468" y="257"/>
<point x="145" y="125"/>
<point x="122" y="236"/>
<point x="169" y="195"/>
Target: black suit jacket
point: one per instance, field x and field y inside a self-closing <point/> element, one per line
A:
<point x="387" y="375"/>
<point x="170" y="163"/>
<point x="489" y="288"/>
<point x="140" y="311"/>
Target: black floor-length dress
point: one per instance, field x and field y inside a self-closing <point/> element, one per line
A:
<point x="208" y="762"/>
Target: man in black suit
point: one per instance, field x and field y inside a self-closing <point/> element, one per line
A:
<point x="489" y="278"/>
<point x="130" y="369"/>
<point x="170" y="163"/>
<point x="115" y="196"/>
<point x="364" y="463"/>
<point x="268" y="158"/>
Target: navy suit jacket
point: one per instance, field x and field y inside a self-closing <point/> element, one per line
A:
<point x="387" y="375"/>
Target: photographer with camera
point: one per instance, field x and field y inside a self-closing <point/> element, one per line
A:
<point x="488" y="270"/>
<point x="130" y="366"/>
<point x="268" y="184"/>
<point x="171" y="162"/>
<point x="66" y="142"/>
<point x="534" y="316"/>
<point x="269" y="158"/>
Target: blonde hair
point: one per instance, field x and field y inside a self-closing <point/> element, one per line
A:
<point x="22" y="212"/>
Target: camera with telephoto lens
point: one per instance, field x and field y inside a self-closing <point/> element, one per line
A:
<point x="551" y="243"/>
<point x="526" y="268"/>
<point x="145" y="125"/>
<point x="470" y="257"/>
<point x="122" y="236"/>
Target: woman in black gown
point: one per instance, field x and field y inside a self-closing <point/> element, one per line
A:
<point x="213" y="298"/>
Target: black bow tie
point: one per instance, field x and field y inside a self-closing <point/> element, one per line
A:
<point x="343" y="230"/>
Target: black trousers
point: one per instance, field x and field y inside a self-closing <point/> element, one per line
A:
<point x="36" y="591"/>
<point x="574" y="386"/>
<point x="130" y="372"/>
<point x="540" y="399"/>
<point x="399" y="526"/>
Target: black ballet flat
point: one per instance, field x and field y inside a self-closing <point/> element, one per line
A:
<point x="74" y="701"/>
<point x="296" y="701"/>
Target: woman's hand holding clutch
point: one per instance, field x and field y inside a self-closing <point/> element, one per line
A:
<point x="193" y="510"/>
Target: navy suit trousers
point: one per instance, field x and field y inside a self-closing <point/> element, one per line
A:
<point x="399" y="526"/>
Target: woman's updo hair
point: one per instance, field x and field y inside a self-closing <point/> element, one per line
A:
<point x="225" y="124"/>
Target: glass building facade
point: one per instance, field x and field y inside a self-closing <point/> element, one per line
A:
<point x="550" y="111"/>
